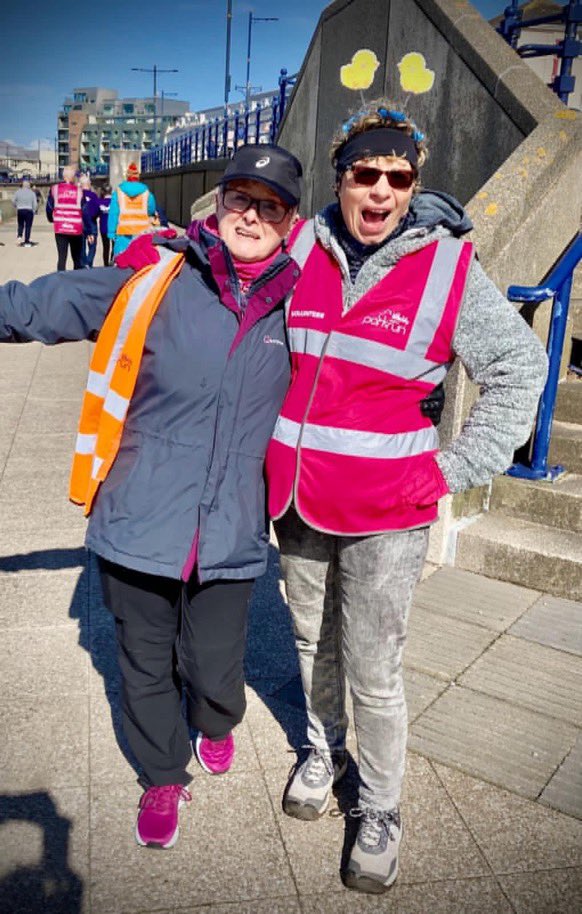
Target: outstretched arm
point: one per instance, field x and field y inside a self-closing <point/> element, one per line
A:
<point x="60" y="307"/>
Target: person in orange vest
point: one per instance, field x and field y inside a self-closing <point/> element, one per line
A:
<point x="189" y="369"/>
<point x="132" y="208"/>
<point x="64" y="210"/>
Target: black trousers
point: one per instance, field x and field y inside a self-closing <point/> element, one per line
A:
<point x="64" y="242"/>
<point x="174" y="636"/>
<point x="24" y="217"/>
<point x="106" y="242"/>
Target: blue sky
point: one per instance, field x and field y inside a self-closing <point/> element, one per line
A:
<point x="45" y="54"/>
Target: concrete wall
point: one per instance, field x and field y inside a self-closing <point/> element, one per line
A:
<point x="178" y="188"/>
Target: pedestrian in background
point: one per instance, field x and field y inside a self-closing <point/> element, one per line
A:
<point x="25" y="203"/>
<point x="90" y="210"/>
<point x="132" y="208"/>
<point x="63" y="209"/>
<point x="104" y="194"/>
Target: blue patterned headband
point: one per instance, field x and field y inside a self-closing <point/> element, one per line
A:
<point x="387" y="114"/>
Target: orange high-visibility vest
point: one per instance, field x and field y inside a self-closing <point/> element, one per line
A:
<point x="133" y="213"/>
<point x="113" y="375"/>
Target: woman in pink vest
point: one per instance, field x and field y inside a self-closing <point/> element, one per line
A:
<point x="390" y="295"/>
<point x="63" y="209"/>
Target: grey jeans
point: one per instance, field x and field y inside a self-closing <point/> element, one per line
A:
<point x="349" y="598"/>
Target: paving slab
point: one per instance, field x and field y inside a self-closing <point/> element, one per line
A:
<point x="45" y="743"/>
<point x="50" y="416"/>
<point x="276" y="905"/>
<point x="32" y="451"/>
<point x="469" y="896"/>
<point x="554" y="892"/>
<point x="43" y="599"/>
<point x="552" y="621"/>
<point x="473" y="598"/>
<point x="246" y="851"/>
<point x="564" y="790"/>
<point x="47" y="548"/>
<point x="442" y="646"/>
<point x="420" y="690"/>
<point x="505" y="744"/>
<point x="532" y="675"/>
<point x="515" y="834"/>
<point x="44" y="864"/>
<point x="43" y="662"/>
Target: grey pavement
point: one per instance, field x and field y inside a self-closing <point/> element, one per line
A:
<point x="493" y="793"/>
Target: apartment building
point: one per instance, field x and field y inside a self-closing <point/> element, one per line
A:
<point x="95" y="120"/>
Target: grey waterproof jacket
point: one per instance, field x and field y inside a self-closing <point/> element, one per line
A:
<point x="213" y="376"/>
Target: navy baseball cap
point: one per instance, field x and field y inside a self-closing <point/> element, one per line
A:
<point x="271" y="165"/>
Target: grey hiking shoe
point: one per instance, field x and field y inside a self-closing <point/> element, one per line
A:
<point x="373" y="864"/>
<point x="308" y="791"/>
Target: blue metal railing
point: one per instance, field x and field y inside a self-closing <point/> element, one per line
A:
<point x="567" y="50"/>
<point x="220" y="138"/>
<point x="558" y="286"/>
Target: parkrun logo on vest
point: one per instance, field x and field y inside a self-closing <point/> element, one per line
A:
<point x="389" y="320"/>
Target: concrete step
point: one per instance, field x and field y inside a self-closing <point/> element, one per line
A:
<point x="569" y="402"/>
<point x="566" y="446"/>
<point x="555" y="504"/>
<point x="533" y="555"/>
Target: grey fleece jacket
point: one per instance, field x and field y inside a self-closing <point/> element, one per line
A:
<point x="496" y="347"/>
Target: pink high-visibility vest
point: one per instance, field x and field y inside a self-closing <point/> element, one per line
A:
<point x="351" y="431"/>
<point x="67" y="217"/>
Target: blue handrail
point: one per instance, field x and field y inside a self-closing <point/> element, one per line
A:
<point x="558" y="286"/>
<point x="220" y="138"/>
<point x="567" y="50"/>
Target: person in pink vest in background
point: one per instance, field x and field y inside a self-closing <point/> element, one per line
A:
<point x="390" y="295"/>
<point x="63" y="209"/>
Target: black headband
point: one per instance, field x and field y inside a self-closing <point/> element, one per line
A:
<point x="381" y="141"/>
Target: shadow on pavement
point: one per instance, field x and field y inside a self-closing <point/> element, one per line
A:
<point x="51" y="886"/>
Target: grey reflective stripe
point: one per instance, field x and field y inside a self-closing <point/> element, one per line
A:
<point x="116" y="405"/>
<point x="435" y="295"/>
<point x="383" y="357"/>
<point x="300" y="251"/>
<point x="306" y="342"/>
<point x="354" y="443"/>
<point x="97" y="463"/>
<point x="97" y="384"/>
<point x="85" y="444"/>
<point x="303" y="244"/>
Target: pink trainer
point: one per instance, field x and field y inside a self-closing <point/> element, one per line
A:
<point x="215" y="756"/>
<point x="157" y="821"/>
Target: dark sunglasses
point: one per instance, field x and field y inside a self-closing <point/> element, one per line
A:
<point x="267" y="210"/>
<point x="366" y="176"/>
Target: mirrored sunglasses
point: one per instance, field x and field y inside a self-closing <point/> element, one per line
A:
<point x="267" y="210"/>
<point x="366" y="176"/>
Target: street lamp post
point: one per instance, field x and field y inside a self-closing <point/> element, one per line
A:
<point x="155" y="70"/>
<point x="248" y="80"/>
<point x="227" y="66"/>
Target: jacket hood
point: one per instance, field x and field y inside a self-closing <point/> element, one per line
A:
<point x="133" y="188"/>
<point x="430" y="208"/>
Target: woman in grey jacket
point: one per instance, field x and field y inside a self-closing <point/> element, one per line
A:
<point x="178" y="523"/>
<point x="390" y="294"/>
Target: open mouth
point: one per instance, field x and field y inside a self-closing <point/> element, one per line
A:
<point x="375" y="218"/>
